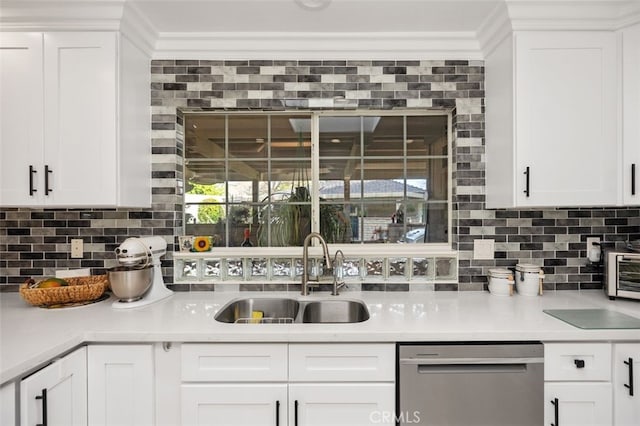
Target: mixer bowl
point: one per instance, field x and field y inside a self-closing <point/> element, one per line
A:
<point x="129" y="283"/>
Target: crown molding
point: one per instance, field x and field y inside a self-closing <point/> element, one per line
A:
<point x="137" y="28"/>
<point x="572" y="15"/>
<point x="62" y="15"/>
<point x="286" y="45"/>
<point x="494" y="29"/>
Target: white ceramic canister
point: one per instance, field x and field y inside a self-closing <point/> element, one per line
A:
<point x="500" y="282"/>
<point x="529" y="279"/>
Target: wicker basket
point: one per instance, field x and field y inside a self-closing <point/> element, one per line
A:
<point x="80" y="289"/>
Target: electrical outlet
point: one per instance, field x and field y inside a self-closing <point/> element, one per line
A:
<point x="483" y="249"/>
<point x="593" y="252"/>
<point x="77" y="249"/>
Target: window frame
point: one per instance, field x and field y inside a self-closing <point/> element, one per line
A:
<point x="369" y="249"/>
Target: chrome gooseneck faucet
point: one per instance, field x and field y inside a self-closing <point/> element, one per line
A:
<point x="305" y="260"/>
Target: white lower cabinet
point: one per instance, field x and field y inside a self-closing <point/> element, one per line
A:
<point x="121" y="385"/>
<point x="253" y="404"/>
<point x="341" y="404"/>
<point x="8" y="415"/>
<point x="57" y="394"/>
<point x="287" y="384"/>
<point x="626" y="384"/>
<point x="592" y="384"/>
<point x="577" y="404"/>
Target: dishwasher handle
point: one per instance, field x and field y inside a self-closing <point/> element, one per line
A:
<point x="470" y="361"/>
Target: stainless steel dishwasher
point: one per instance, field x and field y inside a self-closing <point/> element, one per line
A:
<point x="470" y="384"/>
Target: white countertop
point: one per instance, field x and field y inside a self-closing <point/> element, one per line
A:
<point x="31" y="336"/>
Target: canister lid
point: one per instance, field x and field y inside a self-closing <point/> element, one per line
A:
<point x="527" y="267"/>
<point x="500" y="273"/>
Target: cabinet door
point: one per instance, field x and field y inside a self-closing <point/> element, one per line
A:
<point x="631" y="115"/>
<point x="57" y="394"/>
<point x="341" y="404"/>
<point x="566" y="109"/>
<point x="234" y="405"/>
<point x="80" y="126"/>
<point x="578" y="404"/>
<point x="626" y="384"/>
<point x="8" y="415"/>
<point x="21" y="112"/>
<point x="121" y="391"/>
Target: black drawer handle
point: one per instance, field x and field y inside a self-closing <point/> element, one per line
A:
<point x="527" y="173"/>
<point x="629" y="363"/>
<point x="47" y="170"/>
<point x="43" y="397"/>
<point x="295" y="413"/>
<point x="556" y="411"/>
<point x="277" y="413"/>
<point x="579" y="363"/>
<point x="633" y="179"/>
<point x="32" y="171"/>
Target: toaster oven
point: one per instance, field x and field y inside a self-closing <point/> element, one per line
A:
<point x="622" y="274"/>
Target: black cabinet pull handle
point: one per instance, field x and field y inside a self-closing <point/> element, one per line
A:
<point x="277" y="413"/>
<point x="633" y="179"/>
<point x="527" y="173"/>
<point x="295" y="413"/>
<point x="47" y="170"/>
<point x="556" y="411"/>
<point x="32" y="171"/>
<point x="629" y="363"/>
<point x="579" y="363"/>
<point x="43" y="397"/>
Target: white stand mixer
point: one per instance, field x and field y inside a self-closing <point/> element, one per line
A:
<point x="138" y="251"/>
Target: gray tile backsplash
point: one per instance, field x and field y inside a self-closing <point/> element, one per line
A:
<point x="34" y="242"/>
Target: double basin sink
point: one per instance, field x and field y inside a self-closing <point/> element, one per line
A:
<point x="269" y="310"/>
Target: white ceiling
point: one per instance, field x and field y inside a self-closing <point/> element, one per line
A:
<point x="168" y="16"/>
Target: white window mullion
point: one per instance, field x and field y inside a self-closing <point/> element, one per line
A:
<point x="315" y="173"/>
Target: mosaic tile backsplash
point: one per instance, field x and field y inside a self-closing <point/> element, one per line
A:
<point x="36" y="242"/>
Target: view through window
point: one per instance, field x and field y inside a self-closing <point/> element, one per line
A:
<point x="356" y="178"/>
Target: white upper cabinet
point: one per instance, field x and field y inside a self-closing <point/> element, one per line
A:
<point x="64" y="143"/>
<point x="21" y="126"/>
<point x="551" y="117"/>
<point x="631" y="115"/>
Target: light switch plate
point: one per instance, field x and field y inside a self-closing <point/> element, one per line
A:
<point x="484" y="249"/>
<point x="77" y="248"/>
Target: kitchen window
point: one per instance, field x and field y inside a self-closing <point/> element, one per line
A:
<point x="356" y="177"/>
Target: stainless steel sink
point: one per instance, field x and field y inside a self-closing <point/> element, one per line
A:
<point x="259" y="310"/>
<point x="335" y="311"/>
<point x="273" y="310"/>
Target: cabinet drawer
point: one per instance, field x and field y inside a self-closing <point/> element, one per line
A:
<point x="577" y="361"/>
<point x="237" y="362"/>
<point x="342" y="362"/>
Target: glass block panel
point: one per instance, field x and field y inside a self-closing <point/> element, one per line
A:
<point x="421" y="268"/>
<point x="188" y="269"/>
<point x="281" y="268"/>
<point x="298" y="267"/>
<point x="352" y="268"/>
<point x="375" y="268"/>
<point x="445" y="269"/>
<point x="211" y="268"/>
<point x="235" y="269"/>
<point x="398" y="267"/>
<point x="258" y="268"/>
